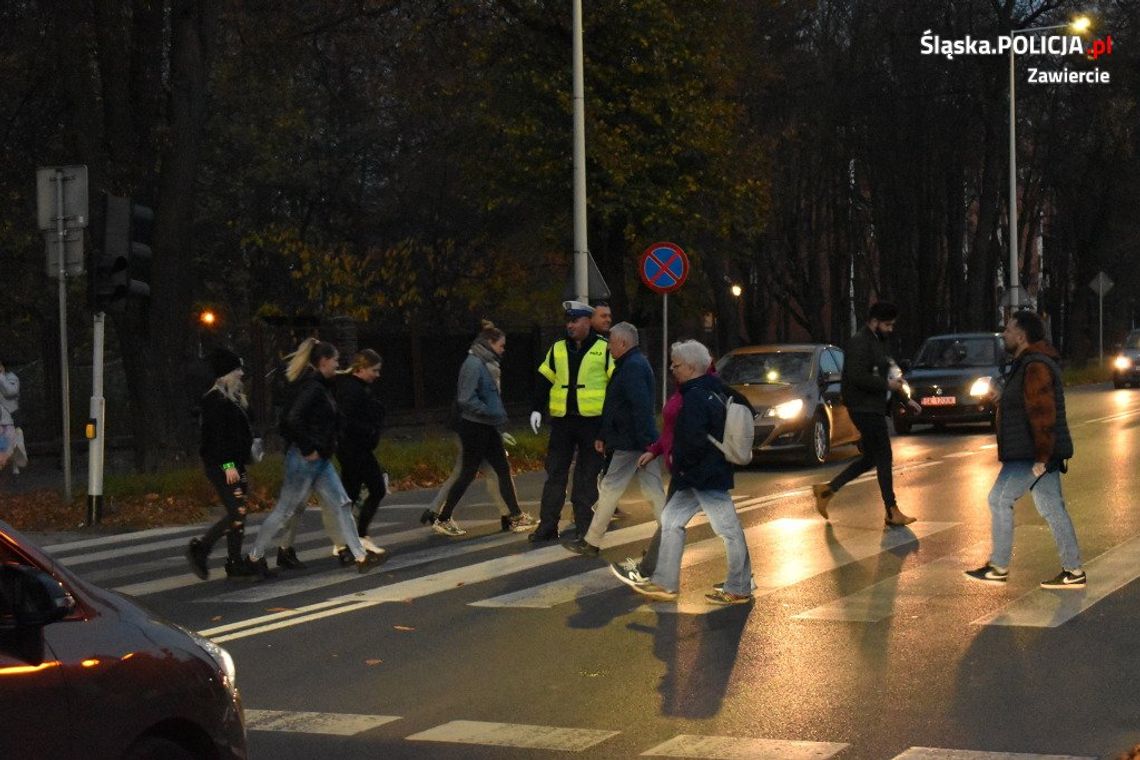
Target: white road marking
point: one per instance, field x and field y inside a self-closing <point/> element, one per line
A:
<point x="336" y="724"/>
<point x="959" y="454"/>
<point x="934" y="753"/>
<point x="944" y="577"/>
<point x="119" y="538"/>
<point x="262" y="593"/>
<point x="736" y="748"/>
<point x="514" y="735"/>
<point x="1046" y="608"/>
<point x="1111" y="417"/>
<point x="848" y="545"/>
<point x="795" y="550"/>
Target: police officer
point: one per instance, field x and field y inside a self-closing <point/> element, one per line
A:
<point x="575" y="372"/>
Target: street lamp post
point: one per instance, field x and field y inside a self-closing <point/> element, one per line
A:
<point x="1079" y="25"/>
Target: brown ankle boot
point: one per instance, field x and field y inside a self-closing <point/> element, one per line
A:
<point x="823" y="494"/>
<point x="896" y="518"/>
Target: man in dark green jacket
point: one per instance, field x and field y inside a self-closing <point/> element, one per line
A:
<point x="867" y="384"/>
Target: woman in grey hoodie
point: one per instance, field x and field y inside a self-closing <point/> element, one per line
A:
<point x="481" y="419"/>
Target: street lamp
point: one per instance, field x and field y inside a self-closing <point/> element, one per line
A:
<point x="1079" y="25"/>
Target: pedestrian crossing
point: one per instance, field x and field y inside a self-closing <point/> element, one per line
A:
<point x="785" y="551"/>
<point x="573" y="739"/>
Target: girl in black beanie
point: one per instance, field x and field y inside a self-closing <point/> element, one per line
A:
<point x="226" y="441"/>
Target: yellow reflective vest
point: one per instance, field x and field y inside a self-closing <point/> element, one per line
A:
<point x="590" y="384"/>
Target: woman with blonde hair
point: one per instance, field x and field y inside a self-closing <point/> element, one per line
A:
<point x="481" y="419"/>
<point x="362" y="417"/>
<point x="310" y="429"/>
<point x="226" y="441"/>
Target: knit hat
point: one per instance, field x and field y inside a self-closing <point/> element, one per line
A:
<point x="577" y="309"/>
<point x="223" y="362"/>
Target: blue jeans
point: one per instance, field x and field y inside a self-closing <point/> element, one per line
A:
<point x="681" y="508"/>
<point x="301" y="478"/>
<point x="1011" y="484"/>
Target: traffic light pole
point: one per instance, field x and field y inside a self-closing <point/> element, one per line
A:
<point x="64" y="370"/>
<point x="95" y="427"/>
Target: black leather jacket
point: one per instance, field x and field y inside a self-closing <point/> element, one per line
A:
<point x="312" y="422"/>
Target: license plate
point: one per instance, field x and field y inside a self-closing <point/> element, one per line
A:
<point x="939" y="401"/>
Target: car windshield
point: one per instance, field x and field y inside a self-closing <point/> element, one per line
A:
<point x="765" y="369"/>
<point x="958" y="352"/>
<point x="1133" y="340"/>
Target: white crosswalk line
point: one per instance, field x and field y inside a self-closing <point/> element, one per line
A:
<point x="944" y="577"/>
<point x="121" y="538"/>
<point x="960" y="454"/>
<point x="1043" y="608"/>
<point x="739" y="748"/>
<point x="514" y="735"/>
<point x="283" y="588"/>
<point x="335" y="724"/>
<point x="935" y="753"/>
<point x="795" y="550"/>
<point x="846" y="546"/>
<point x="154" y="546"/>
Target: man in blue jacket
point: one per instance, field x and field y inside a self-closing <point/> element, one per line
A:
<point x="702" y="479"/>
<point x="628" y="427"/>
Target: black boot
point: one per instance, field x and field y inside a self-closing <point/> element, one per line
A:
<point x="238" y="568"/>
<point x="287" y="558"/>
<point x="428" y="517"/>
<point x="196" y="555"/>
<point x="504" y="523"/>
<point x="259" y="568"/>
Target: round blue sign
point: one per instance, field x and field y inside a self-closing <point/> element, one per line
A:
<point x="663" y="267"/>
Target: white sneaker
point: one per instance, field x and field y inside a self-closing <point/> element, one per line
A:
<point x="449" y="528"/>
<point x="366" y="542"/>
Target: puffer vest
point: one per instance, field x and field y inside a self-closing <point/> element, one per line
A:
<point x="1014" y="436"/>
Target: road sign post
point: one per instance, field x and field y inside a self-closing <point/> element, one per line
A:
<point x="663" y="268"/>
<point x="1101" y="284"/>
<point x="61" y="211"/>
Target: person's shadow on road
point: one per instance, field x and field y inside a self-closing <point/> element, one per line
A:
<point x="699" y="652"/>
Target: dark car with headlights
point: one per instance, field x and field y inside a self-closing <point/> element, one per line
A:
<point x="794" y="390"/>
<point x="955" y="379"/>
<point x="87" y="673"/>
<point x="1126" y="365"/>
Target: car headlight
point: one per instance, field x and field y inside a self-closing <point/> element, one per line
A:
<point x="1122" y="362"/>
<point x="788" y="410"/>
<point x="219" y="655"/>
<point x="983" y="386"/>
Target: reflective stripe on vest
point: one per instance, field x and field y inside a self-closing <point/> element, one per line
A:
<point x="593" y="376"/>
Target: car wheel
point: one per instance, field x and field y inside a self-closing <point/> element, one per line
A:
<point x="819" y="445"/>
<point x="157" y="748"/>
<point x="902" y="427"/>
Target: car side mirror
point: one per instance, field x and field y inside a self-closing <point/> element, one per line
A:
<point x="31" y="598"/>
<point x="905" y="365"/>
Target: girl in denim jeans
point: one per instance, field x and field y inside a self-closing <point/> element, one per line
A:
<point x="310" y="428"/>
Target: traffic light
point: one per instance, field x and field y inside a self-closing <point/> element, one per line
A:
<point x="123" y="256"/>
